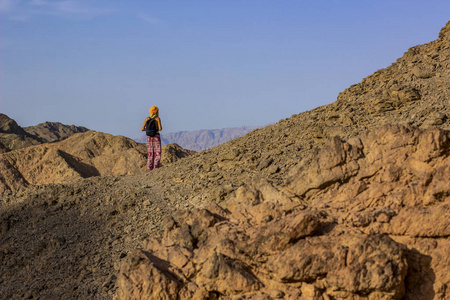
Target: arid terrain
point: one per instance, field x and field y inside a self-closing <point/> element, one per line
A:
<point x="60" y="153"/>
<point x="350" y="200"/>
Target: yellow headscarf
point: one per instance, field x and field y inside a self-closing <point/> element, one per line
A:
<point x="154" y="112"/>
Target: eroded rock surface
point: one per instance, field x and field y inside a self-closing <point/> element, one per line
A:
<point x="346" y="225"/>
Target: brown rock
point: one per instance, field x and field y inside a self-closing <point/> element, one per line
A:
<point x="12" y="136"/>
<point x="325" y="235"/>
<point x="54" y="131"/>
<point x="377" y="168"/>
<point x="226" y="276"/>
<point x="236" y="258"/>
<point x="335" y="162"/>
<point x="445" y="32"/>
<point x="346" y="265"/>
<point x="144" y="276"/>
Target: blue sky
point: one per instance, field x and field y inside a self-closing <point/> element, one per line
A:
<point x="206" y="64"/>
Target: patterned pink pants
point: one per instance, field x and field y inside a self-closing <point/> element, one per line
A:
<point x="153" y="151"/>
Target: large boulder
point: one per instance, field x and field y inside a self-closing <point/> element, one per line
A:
<point x="216" y="253"/>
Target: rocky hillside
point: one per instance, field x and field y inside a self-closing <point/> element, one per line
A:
<point x="172" y="152"/>
<point x="80" y="156"/>
<point x="368" y="216"/>
<point x="12" y="136"/>
<point x="199" y="140"/>
<point x="54" y="131"/>
<point x="364" y="215"/>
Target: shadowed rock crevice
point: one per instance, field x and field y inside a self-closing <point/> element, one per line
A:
<point x="83" y="169"/>
<point x="420" y="278"/>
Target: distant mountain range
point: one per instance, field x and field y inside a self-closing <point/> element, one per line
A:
<point x="202" y="139"/>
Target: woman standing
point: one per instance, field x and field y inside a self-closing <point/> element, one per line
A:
<point x="152" y="126"/>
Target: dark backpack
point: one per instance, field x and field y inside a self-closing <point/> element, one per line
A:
<point x="151" y="128"/>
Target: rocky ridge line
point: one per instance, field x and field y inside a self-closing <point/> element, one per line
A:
<point x="12" y="136"/>
<point x="54" y="131"/>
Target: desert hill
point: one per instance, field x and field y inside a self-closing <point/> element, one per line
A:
<point x="81" y="155"/>
<point x="12" y="136"/>
<point x="54" y="131"/>
<point x="293" y="211"/>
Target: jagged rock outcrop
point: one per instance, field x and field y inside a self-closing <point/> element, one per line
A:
<point x="12" y="136"/>
<point x="353" y="220"/>
<point x="8" y="125"/>
<point x="54" y="131"/>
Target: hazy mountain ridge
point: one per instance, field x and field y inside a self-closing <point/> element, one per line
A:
<point x="199" y="140"/>
<point x="365" y="176"/>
